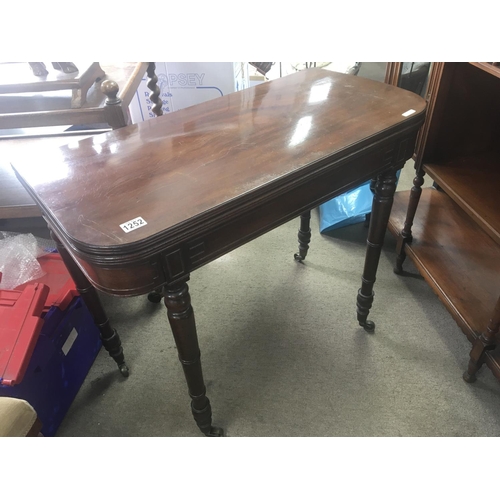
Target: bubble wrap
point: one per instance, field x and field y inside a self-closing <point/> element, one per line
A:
<point x="18" y="258"/>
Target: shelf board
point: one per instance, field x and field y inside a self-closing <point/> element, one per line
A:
<point x="488" y="67"/>
<point x="472" y="182"/>
<point x="458" y="260"/>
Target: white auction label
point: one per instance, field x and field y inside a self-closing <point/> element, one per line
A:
<point x="409" y="112"/>
<point x="133" y="224"/>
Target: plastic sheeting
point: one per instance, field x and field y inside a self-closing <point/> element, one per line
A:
<point x="18" y="258"/>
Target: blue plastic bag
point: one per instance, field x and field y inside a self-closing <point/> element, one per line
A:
<point x="346" y="209"/>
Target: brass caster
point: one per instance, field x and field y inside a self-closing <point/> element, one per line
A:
<point x="215" y="432"/>
<point x="368" y="325"/>
<point x="470" y="379"/>
<point x="124" y="369"/>
<point x="154" y="297"/>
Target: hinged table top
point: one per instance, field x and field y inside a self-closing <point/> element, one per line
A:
<point x="184" y="167"/>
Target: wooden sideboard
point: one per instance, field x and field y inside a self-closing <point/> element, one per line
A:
<point x="451" y="231"/>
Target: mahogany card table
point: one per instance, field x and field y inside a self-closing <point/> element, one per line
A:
<point x="136" y="210"/>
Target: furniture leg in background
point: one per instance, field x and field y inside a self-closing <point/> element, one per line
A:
<point x="385" y="187"/>
<point x="152" y="85"/>
<point x="109" y="336"/>
<point x="485" y="342"/>
<point x="304" y="236"/>
<point x="116" y="113"/>
<point x="156" y="295"/>
<point x="181" y="317"/>
<point x="406" y="236"/>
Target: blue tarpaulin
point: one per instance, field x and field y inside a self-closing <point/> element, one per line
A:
<point x="346" y="209"/>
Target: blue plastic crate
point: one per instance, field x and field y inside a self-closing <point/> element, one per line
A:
<point x="66" y="349"/>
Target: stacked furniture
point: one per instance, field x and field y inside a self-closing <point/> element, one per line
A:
<point x="106" y="104"/>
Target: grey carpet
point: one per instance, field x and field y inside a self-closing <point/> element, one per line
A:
<point x="283" y="355"/>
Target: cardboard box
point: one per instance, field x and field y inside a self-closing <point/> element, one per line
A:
<point x="184" y="84"/>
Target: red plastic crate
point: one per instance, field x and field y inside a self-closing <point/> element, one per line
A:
<point x="22" y="311"/>
<point x="20" y="325"/>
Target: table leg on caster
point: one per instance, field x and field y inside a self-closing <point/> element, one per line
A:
<point x="109" y="336"/>
<point x="385" y="186"/>
<point x="182" y="322"/>
<point x="304" y="236"/>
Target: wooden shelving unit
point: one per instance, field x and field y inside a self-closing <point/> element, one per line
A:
<point x="455" y="237"/>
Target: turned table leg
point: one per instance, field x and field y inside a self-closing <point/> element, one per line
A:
<point x="385" y="186"/>
<point x="406" y="236"/>
<point x="486" y="342"/>
<point x="109" y="337"/>
<point x="181" y="318"/>
<point x="304" y="236"/>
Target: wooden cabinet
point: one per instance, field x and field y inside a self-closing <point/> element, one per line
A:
<point x="451" y="231"/>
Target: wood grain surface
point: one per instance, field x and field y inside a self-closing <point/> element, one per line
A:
<point x="176" y="168"/>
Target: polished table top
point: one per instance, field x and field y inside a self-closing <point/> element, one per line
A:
<point x="184" y="172"/>
<point x="15" y="202"/>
